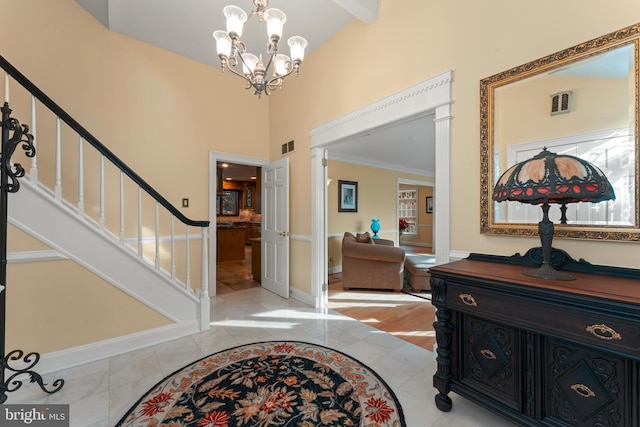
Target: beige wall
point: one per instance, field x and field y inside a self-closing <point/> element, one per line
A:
<point x="54" y="305"/>
<point x="159" y="112"/>
<point x="413" y="40"/>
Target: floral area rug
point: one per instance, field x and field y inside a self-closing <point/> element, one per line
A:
<point x="275" y="383"/>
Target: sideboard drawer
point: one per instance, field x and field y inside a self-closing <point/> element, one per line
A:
<point x="587" y="326"/>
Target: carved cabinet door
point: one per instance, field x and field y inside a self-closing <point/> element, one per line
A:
<point x="491" y="356"/>
<point x="584" y="387"/>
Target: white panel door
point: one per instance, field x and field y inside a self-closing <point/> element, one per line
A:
<point x="275" y="227"/>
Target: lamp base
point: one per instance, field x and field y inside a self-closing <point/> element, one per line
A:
<point x="547" y="272"/>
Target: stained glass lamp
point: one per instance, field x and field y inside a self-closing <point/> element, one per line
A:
<point x="552" y="178"/>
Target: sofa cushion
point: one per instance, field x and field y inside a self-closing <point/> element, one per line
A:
<point x="375" y="252"/>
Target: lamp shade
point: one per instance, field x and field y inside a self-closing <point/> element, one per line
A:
<point x="236" y="18"/>
<point x="249" y="61"/>
<point x="297" y="45"/>
<point x="281" y="65"/>
<point x="554" y="178"/>
<point x="223" y="43"/>
<point x="275" y="22"/>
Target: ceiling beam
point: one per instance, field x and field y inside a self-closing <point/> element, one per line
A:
<point x="98" y="8"/>
<point x="365" y="10"/>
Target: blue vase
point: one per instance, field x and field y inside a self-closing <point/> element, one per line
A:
<point x="375" y="227"/>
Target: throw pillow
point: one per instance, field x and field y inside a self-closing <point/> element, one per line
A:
<point x="363" y="237"/>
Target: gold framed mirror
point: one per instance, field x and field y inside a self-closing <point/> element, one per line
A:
<point x="581" y="101"/>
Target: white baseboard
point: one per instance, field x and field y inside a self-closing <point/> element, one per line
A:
<point x="418" y="244"/>
<point x="76" y="356"/>
<point x="304" y="297"/>
<point x="458" y="255"/>
<point x="334" y="270"/>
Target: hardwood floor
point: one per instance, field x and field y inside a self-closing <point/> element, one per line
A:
<point x="406" y="316"/>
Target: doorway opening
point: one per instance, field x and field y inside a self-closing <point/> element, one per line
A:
<point x="415" y="207"/>
<point x="432" y="96"/>
<point x="235" y="206"/>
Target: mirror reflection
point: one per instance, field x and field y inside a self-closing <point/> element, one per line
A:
<point x="581" y="102"/>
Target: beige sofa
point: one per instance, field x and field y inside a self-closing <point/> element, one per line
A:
<point x="371" y="263"/>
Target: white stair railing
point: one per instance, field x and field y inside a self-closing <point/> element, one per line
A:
<point x="105" y="198"/>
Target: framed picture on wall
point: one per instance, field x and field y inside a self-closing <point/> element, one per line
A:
<point x="347" y="196"/>
<point x="429" y="204"/>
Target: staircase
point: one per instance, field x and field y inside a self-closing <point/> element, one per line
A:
<point x="143" y="265"/>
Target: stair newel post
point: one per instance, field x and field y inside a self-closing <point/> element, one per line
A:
<point x="205" y="309"/>
<point x="13" y="134"/>
<point x="3" y="233"/>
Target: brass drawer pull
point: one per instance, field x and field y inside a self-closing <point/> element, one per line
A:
<point x="468" y="299"/>
<point x="583" y="390"/>
<point x="488" y="354"/>
<point x="604" y="332"/>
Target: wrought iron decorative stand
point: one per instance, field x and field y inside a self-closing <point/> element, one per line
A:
<point x="9" y="376"/>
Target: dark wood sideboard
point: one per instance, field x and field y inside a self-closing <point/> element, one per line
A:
<point x="539" y="352"/>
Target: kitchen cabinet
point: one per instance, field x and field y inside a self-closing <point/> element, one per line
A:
<point x="256" y="230"/>
<point x="256" y="259"/>
<point x="252" y="231"/>
<point x="230" y="243"/>
<point x="539" y="352"/>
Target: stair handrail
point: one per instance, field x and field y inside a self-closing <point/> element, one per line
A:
<point x="87" y="136"/>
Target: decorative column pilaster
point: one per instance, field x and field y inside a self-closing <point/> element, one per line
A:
<point x="442" y="196"/>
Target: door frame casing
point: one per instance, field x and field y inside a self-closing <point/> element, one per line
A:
<point x="214" y="158"/>
<point x="433" y="94"/>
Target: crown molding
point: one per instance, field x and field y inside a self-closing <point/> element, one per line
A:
<point x="377" y="164"/>
<point x="401" y="106"/>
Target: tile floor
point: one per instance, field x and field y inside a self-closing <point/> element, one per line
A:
<point x="101" y="392"/>
<point x="232" y="276"/>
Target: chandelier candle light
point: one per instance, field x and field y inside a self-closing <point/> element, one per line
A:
<point x="232" y="51"/>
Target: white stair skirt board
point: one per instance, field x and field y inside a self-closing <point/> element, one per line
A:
<point x="75" y="356"/>
<point x="54" y="223"/>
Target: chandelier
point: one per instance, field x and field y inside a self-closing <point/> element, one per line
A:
<point x="232" y="51"/>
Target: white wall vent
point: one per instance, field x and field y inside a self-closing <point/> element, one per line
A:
<point x="287" y="147"/>
<point x="560" y="103"/>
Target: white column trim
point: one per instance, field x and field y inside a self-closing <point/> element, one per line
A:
<point x="318" y="227"/>
<point x="442" y="190"/>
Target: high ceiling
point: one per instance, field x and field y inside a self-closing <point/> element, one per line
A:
<point x="185" y="27"/>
